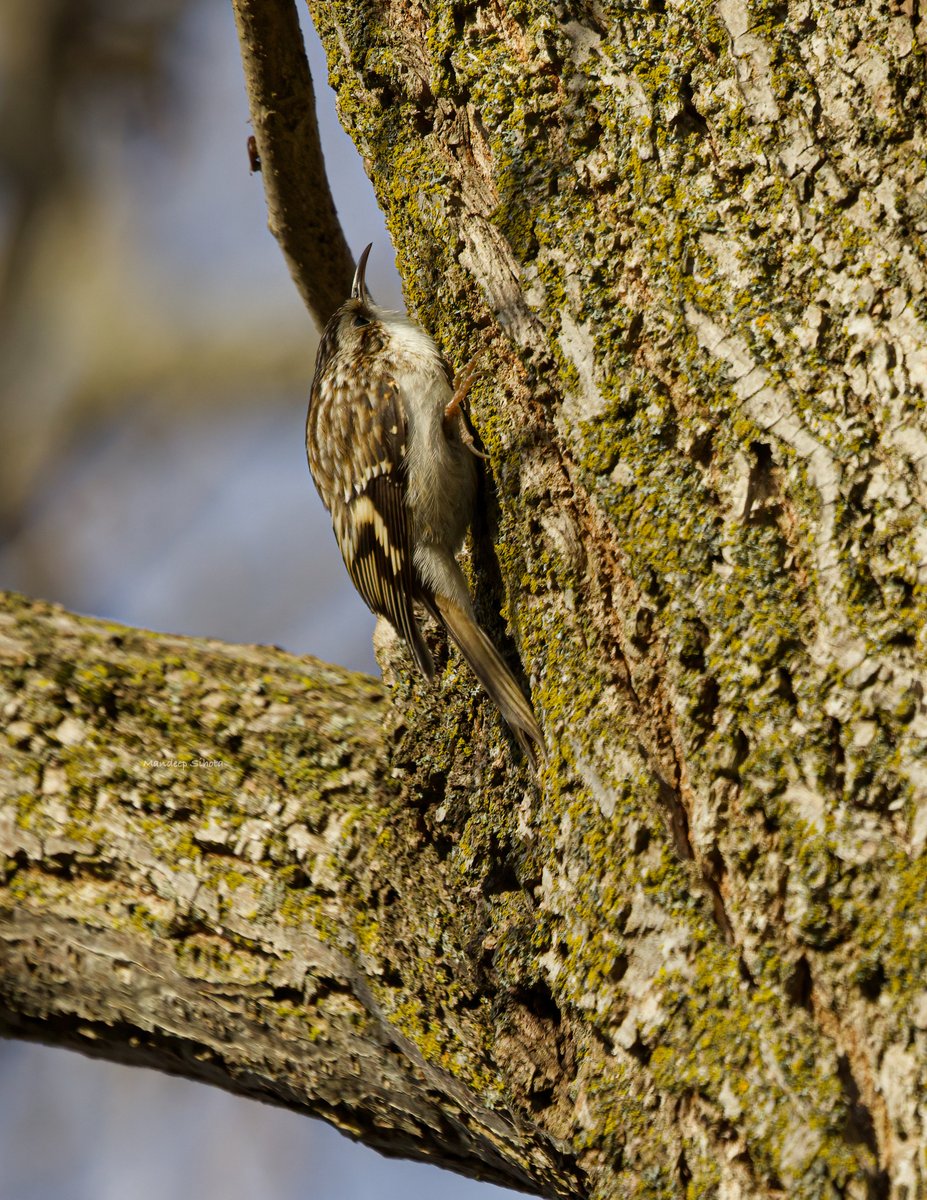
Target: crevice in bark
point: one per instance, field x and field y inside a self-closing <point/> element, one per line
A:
<point x="867" y="1119"/>
<point x="798" y="984"/>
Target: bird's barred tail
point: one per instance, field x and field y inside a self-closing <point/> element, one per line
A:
<point x="494" y="675"/>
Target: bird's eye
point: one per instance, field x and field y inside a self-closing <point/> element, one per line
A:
<point x="360" y="321"/>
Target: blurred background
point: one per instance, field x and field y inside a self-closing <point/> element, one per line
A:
<point x="154" y="368"/>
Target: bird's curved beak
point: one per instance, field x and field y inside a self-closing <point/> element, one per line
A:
<point x="359" y="287"/>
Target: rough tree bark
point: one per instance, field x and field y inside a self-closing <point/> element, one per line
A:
<point x="691" y="960"/>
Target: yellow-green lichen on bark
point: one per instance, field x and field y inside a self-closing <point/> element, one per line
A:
<point x="693" y="286"/>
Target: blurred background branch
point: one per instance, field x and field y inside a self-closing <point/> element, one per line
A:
<point x="94" y="99"/>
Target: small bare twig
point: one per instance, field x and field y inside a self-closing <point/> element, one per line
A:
<point x="301" y="211"/>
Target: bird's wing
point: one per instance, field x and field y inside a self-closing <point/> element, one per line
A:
<point x="373" y="525"/>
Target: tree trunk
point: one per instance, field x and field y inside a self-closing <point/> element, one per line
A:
<point x="692" y="959"/>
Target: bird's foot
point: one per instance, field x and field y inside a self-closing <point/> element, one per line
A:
<point x="463" y="382"/>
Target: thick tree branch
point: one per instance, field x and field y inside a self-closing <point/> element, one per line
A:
<point x="198" y="842"/>
<point x="301" y="211"/>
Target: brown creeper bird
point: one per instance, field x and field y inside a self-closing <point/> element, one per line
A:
<point x="393" y="462"/>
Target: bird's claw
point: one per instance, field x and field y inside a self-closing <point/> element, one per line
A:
<point x="464" y="380"/>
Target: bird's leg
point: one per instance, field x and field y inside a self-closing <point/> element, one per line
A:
<point x="463" y="382"/>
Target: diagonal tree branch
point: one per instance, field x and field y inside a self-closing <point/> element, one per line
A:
<point x="207" y="837"/>
<point x="301" y="211"/>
